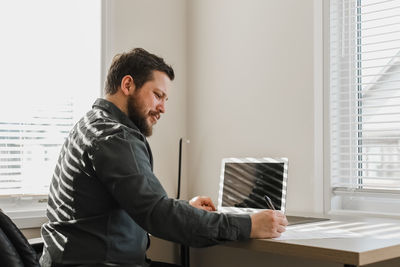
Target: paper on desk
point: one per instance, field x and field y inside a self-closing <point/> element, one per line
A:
<point x="314" y="233"/>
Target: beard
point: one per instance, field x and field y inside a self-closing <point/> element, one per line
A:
<point x="138" y="117"/>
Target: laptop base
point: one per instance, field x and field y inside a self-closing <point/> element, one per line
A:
<point x="293" y="220"/>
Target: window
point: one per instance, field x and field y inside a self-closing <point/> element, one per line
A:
<point x="50" y="75"/>
<point x="364" y="100"/>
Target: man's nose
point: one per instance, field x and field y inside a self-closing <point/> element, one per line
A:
<point x="161" y="107"/>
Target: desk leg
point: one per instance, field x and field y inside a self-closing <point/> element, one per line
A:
<point x="185" y="256"/>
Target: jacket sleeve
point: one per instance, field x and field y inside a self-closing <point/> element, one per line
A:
<point x="122" y="163"/>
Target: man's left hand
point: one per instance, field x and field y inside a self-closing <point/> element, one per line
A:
<point x="204" y="203"/>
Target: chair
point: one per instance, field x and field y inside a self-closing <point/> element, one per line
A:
<point x="15" y="250"/>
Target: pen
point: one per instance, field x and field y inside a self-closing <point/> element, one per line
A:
<point x="269" y="202"/>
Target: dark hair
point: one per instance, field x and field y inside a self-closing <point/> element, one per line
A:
<point x="138" y="63"/>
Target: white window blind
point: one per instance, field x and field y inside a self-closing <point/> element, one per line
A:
<point x="364" y="101"/>
<point x="50" y="75"/>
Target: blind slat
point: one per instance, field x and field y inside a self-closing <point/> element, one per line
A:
<point x="367" y="154"/>
<point x="385" y="90"/>
<point x="365" y="170"/>
<point x="365" y="161"/>
<point x="364" y="146"/>
<point x="363" y="107"/>
<point x="344" y="69"/>
<point x="370" y="131"/>
<point x="363" y="123"/>
<point x="363" y="138"/>
<point x="355" y="116"/>
<point x="355" y="179"/>
<point x="387" y="189"/>
<point x="370" y="20"/>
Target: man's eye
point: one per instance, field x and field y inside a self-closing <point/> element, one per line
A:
<point x="158" y="96"/>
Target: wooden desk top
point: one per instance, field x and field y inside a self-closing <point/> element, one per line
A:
<point x="378" y="240"/>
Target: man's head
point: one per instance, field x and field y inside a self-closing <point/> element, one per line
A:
<point x="137" y="83"/>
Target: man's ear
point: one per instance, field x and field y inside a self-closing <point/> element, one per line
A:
<point x="127" y="85"/>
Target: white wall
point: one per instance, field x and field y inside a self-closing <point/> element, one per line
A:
<point x="251" y="93"/>
<point x="159" y="27"/>
<point x="250" y="90"/>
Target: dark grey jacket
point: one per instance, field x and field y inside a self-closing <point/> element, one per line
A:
<point x="104" y="198"/>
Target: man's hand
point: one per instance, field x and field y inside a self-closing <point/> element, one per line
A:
<point x="204" y="203"/>
<point x="267" y="224"/>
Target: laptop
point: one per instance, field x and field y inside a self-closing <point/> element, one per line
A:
<point x="247" y="185"/>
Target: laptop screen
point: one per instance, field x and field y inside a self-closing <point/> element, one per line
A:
<point x="246" y="181"/>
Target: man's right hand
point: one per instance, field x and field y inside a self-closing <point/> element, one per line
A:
<point x="267" y="224"/>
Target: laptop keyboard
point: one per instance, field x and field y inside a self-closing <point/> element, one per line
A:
<point x="299" y="219"/>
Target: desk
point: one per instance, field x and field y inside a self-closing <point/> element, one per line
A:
<point x="379" y="240"/>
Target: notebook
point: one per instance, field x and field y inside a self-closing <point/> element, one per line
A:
<point x="244" y="183"/>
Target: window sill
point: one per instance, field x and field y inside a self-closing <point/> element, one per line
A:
<point x="363" y="214"/>
<point x="371" y="203"/>
<point x="28" y="219"/>
<point x="24" y="210"/>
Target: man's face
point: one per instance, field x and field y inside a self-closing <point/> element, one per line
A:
<point x="147" y="103"/>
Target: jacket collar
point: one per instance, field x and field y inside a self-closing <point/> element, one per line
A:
<point x="115" y="112"/>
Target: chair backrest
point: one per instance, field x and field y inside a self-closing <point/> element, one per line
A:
<point x="14" y="248"/>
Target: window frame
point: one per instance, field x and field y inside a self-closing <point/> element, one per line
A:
<point x="366" y="202"/>
<point x="29" y="211"/>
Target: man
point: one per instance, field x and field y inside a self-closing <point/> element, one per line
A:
<point x="104" y="197"/>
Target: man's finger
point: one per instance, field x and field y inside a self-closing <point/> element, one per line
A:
<point x="208" y="208"/>
<point x="279" y="214"/>
<point x="274" y="235"/>
<point x="281" y="229"/>
<point x="212" y="205"/>
<point x="208" y="202"/>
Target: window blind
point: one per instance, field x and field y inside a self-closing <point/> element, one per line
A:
<point x="50" y="75"/>
<point x="29" y="146"/>
<point x="365" y="96"/>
